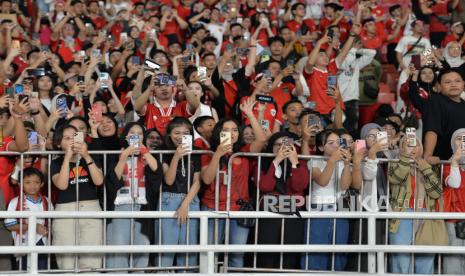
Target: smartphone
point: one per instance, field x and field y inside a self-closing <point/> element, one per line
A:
<point x="202" y="72"/>
<point x="229" y="47"/>
<point x="330" y="34"/>
<point x="80" y="79"/>
<point x="265" y="125"/>
<point x="153" y="33"/>
<point x="313" y="120"/>
<point x="78" y="137"/>
<point x="36" y="72"/>
<point x="311" y="105"/>
<point x="104" y="76"/>
<point x="416" y="60"/>
<point x="360" y="144"/>
<point x="290" y="62"/>
<point x="10" y="92"/>
<point x="382" y="137"/>
<point x="124" y="36"/>
<point x="187" y="141"/>
<point x="97" y="111"/>
<point x="35" y="94"/>
<point x="135" y="60"/>
<point x="21" y="97"/>
<point x="19" y="89"/>
<point x="15" y="44"/>
<point x="62" y="105"/>
<point x="134" y="140"/>
<point x="411" y="134"/>
<point x="287" y="142"/>
<point x="82" y="54"/>
<point x="343" y="143"/>
<point x="32" y="137"/>
<point x="225" y="137"/>
<point x="331" y="81"/>
<point x="151" y="64"/>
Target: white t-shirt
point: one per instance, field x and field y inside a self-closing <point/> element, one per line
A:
<point x="33" y="206"/>
<point x="329" y="193"/>
<point x="348" y="78"/>
<point x="406" y="42"/>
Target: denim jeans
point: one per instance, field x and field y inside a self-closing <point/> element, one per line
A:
<point x="174" y="233"/>
<point x="401" y="262"/>
<point x="321" y="232"/>
<point x="237" y="235"/>
<point x="453" y="263"/>
<point x="118" y="233"/>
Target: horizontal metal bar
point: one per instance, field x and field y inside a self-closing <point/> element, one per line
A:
<point x="98" y="152"/>
<point x="232" y="214"/>
<point x="102" y="249"/>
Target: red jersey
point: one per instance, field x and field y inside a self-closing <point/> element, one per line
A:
<point x="201" y="143"/>
<point x="316" y="81"/>
<point x="239" y="182"/>
<point x="390" y="27"/>
<point x="439" y="9"/>
<point x="295" y="26"/>
<point x="270" y="115"/>
<point x="282" y="93"/>
<point x="454" y="199"/>
<point x="158" y="117"/>
<point x="65" y="52"/>
<point x="450" y="38"/>
<point x="7" y="167"/>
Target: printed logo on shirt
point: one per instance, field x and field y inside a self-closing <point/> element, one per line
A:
<point x="80" y="172"/>
<point x="273" y="112"/>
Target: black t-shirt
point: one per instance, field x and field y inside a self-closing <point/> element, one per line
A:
<point x="87" y="188"/>
<point x="443" y="117"/>
<point x="180" y="183"/>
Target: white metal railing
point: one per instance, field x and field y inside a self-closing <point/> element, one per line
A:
<point x="207" y="251"/>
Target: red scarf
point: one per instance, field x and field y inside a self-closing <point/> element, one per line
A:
<point x="138" y="172"/>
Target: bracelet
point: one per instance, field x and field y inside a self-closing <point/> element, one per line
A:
<point x="90" y="163"/>
<point x="35" y="113"/>
<point x="252" y="46"/>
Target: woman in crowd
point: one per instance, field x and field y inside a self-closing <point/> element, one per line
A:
<point x="132" y="185"/>
<point x="76" y="176"/>
<point x="330" y="179"/>
<point x="180" y="187"/>
<point x="283" y="178"/>
<point x="454" y="201"/>
<point x="413" y="187"/>
<point x="239" y="191"/>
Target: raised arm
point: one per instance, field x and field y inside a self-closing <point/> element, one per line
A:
<point x="260" y="136"/>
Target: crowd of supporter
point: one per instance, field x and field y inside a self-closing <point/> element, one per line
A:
<point x="355" y="84"/>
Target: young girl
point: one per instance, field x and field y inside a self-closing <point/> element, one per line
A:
<point x="330" y="179"/>
<point x="280" y="178"/>
<point x="76" y="164"/>
<point x="454" y="201"/>
<point x="180" y="188"/>
<point x="239" y="181"/>
<point x="32" y="200"/>
<point x="407" y="182"/>
<point x="133" y="185"/>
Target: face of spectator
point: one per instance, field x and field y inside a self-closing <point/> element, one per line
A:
<point x="44" y="83"/>
<point x="215" y="15"/>
<point x="209" y="46"/>
<point x="187" y="3"/>
<point x="251" y="3"/>
<point x="366" y="13"/>
<point x="177" y="133"/>
<point x="78" y="8"/>
<point x="135" y="130"/>
<point x="419" y="27"/>
<point x="195" y="89"/>
<point x="451" y="84"/>
<point x="10" y="72"/>
<point x="454" y="50"/>
<point x="80" y="125"/>
<point x="236" y="31"/>
<point x="275" y="69"/>
<point x="25" y="48"/>
<point x="32" y="185"/>
<point x="262" y="4"/>
<point x="396" y="13"/>
<point x="458" y="29"/>
<point x="278" y="144"/>
<point x="230" y="126"/>
<point x="68" y="138"/>
<point x="163" y="92"/>
<point x="206" y="128"/>
<point x="391" y="131"/>
<point x="94" y="8"/>
<point x="140" y="10"/>
<point x="427" y="75"/>
<point x="115" y="57"/>
<point x="174" y="49"/>
<point x="49" y="141"/>
<point x="293" y="112"/>
<point x="332" y="145"/>
<point x="6" y="7"/>
<point x="371" y="137"/>
<point x="201" y="34"/>
<point x="154" y="140"/>
<point x="329" y="12"/>
<point x="249" y="137"/>
<point x="3" y="119"/>
<point x="68" y="30"/>
<point x="370" y="27"/>
<point x="396" y="120"/>
<point x="322" y="59"/>
<point x="286" y="34"/>
<point x="210" y="62"/>
<point x="160" y="59"/>
<point x="107" y="128"/>
<point x="276" y="49"/>
<point x="134" y="33"/>
<point x="458" y="140"/>
<point x="300" y="11"/>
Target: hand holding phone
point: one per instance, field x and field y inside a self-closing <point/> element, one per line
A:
<point x="97" y="112"/>
<point x="225" y="138"/>
<point x="187" y="142"/>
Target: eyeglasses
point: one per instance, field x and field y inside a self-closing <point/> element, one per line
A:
<point x="371" y="136"/>
<point x="332" y="143"/>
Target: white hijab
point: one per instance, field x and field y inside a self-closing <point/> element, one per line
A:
<point x="453" y="61"/>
